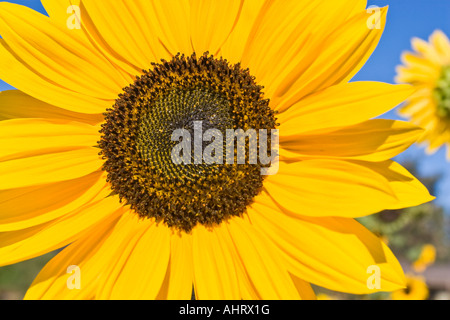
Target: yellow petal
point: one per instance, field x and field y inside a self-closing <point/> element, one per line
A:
<point x="142" y="276"/>
<point x="341" y="56"/>
<point x="214" y="274"/>
<point x="261" y="260"/>
<point x="414" y="106"/>
<point x="16" y="104"/>
<point x="23" y="138"/>
<point x="234" y="46"/>
<point x="416" y="75"/>
<point x="174" y="22"/>
<point x="304" y="289"/>
<point x="179" y="278"/>
<point x="409" y="191"/>
<point x="421" y="65"/>
<point x="52" y="52"/>
<point x="27" y="207"/>
<point x="416" y="289"/>
<point x="129" y="29"/>
<point x="16" y="246"/>
<point x="23" y="77"/>
<point x="49" y="168"/>
<point x="72" y="14"/>
<point x="52" y="281"/>
<point x="99" y="264"/>
<point x="330" y="188"/>
<point x="247" y="289"/>
<point x="373" y="140"/>
<point x="427" y="257"/>
<point x="437" y="136"/>
<point x="62" y="15"/>
<point x="441" y="45"/>
<point x="288" y="35"/>
<point x="140" y="32"/>
<point x="335" y="253"/>
<point x="426" y="50"/>
<point x="341" y="105"/>
<point x="212" y="22"/>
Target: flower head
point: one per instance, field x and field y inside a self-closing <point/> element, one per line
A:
<point x="416" y="289"/>
<point x="89" y="162"/>
<point x="426" y="258"/>
<point x="428" y="70"/>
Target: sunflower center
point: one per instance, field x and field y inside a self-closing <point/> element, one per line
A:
<point x="181" y="109"/>
<point x="407" y="290"/>
<point x="152" y="136"/>
<point x="442" y="93"/>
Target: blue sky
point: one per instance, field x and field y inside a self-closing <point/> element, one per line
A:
<point x="406" y="19"/>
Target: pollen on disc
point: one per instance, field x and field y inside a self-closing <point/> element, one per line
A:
<point x="137" y="147"/>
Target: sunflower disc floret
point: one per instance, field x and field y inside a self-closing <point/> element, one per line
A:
<point x="136" y="140"/>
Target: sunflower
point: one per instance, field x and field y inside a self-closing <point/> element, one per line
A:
<point x="85" y="157"/>
<point x="427" y="257"/>
<point x="416" y="289"/>
<point x="323" y="296"/>
<point x="428" y="70"/>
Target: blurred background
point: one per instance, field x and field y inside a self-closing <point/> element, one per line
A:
<point x="420" y="236"/>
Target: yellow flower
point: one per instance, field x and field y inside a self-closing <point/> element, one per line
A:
<point x="426" y="258"/>
<point x="323" y="296"/>
<point x="85" y="157"/>
<point x="416" y="289"/>
<point x="428" y="70"/>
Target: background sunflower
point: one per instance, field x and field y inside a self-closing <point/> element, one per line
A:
<point x="427" y="68"/>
